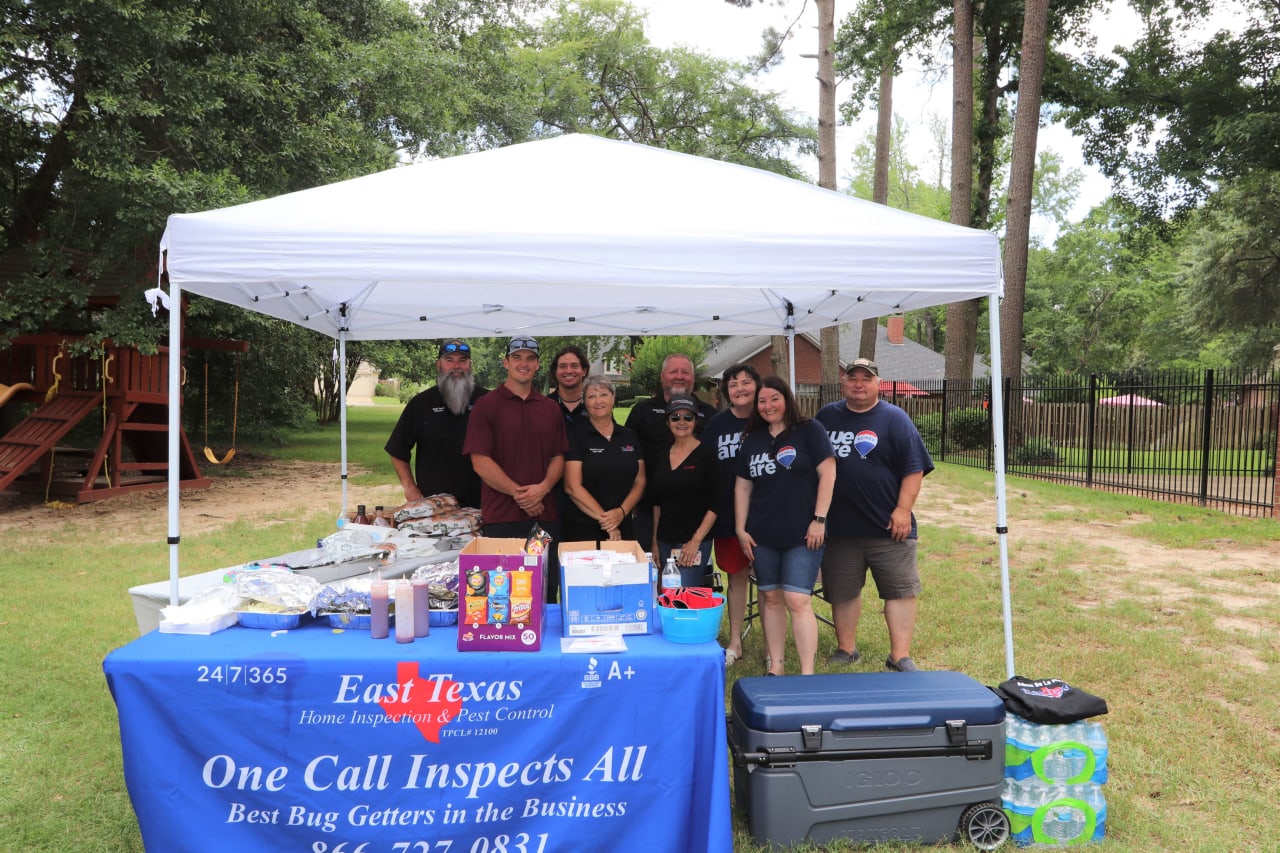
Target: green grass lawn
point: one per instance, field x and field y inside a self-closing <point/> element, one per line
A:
<point x="1190" y="672"/>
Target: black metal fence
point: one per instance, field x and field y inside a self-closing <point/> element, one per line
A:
<point x="1204" y="437"/>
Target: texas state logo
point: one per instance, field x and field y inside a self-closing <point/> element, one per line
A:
<point x="865" y="442"/>
<point x="785" y="456"/>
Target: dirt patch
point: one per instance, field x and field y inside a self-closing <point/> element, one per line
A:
<point x="1240" y="580"/>
<point x="252" y="488"/>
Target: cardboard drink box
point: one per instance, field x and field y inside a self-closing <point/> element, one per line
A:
<point x="599" y="596"/>
<point x="502" y="603"/>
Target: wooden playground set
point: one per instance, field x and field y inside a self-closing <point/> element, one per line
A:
<point x="114" y="400"/>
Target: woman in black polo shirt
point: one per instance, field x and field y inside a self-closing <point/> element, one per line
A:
<point x="603" y="471"/>
<point x="685" y="483"/>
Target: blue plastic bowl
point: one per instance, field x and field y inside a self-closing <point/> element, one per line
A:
<point x="692" y="626"/>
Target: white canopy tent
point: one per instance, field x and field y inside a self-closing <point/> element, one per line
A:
<point x="575" y="235"/>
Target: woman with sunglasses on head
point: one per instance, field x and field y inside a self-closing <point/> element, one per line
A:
<point x="603" y="471"/>
<point x="683" y="487"/>
<point x="786" y="474"/>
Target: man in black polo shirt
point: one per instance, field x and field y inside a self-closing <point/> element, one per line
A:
<point x="648" y="419"/>
<point x="435" y="423"/>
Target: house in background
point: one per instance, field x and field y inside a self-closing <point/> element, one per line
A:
<point x="907" y="361"/>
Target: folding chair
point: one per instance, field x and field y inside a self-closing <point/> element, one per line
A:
<point x="753" y="606"/>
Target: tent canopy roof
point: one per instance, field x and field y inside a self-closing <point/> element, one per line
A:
<point x="574" y="235"/>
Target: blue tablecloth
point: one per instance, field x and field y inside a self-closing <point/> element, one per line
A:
<point x="330" y="742"/>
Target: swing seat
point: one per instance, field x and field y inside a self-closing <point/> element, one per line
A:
<point x="8" y="392"/>
<point x="213" y="457"/>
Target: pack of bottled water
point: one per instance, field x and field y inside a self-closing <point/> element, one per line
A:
<point x="1052" y="789"/>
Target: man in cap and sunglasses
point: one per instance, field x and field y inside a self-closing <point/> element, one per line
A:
<point x="517" y="441"/>
<point x="431" y="431"/>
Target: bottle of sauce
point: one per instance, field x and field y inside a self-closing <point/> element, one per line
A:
<point x="379" y="607"/>
<point x="421" y="608"/>
<point x="361" y="517"/>
<point x="379" y="519"/>
<point x="404" y="612"/>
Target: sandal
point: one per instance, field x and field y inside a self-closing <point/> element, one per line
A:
<point x="731" y="657"/>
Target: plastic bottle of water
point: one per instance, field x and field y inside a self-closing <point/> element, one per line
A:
<point x="670" y="575"/>
<point x="1044" y="815"/>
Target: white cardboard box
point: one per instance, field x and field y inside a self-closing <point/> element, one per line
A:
<point x="601" y="596"/>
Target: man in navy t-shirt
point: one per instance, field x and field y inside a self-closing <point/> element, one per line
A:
<point x="881" y="462"/>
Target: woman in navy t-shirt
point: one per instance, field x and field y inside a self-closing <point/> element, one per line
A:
<point x="786" y="473"/>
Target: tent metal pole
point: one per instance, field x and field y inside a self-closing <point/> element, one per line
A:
<point x="342" y="402"/>
<point x="175" y="427"/>
<point x="997" y="449"/>
<point x="791" y="346"/>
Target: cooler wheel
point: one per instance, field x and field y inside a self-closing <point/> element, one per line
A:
<point x="985" y="826"/>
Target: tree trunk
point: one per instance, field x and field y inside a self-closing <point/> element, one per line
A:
<point x="879" y="185"/>
<point x="830" y="335"/>
<point x="962" y="317"/>
<point x="1021" y="177"/>
<point x="778" y="358"/>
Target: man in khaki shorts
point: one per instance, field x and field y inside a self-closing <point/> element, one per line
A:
<point x="881" y="462"/>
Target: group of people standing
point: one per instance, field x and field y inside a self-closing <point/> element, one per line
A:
<point x="756" y="489"/>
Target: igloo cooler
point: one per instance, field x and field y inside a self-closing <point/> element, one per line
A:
<point x="869" y="757"/>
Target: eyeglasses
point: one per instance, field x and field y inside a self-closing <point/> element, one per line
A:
<point x="450" y="348"/>
<point x="522" y="343"/>
<point x="681" y="416"/>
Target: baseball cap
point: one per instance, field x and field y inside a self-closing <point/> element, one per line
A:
<point x="865" y="364"/>
<point x="522" y="342"/>
<point x="682" y="404"/>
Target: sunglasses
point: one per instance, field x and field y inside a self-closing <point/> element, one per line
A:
<point x="449" y="348"/>
<point x="522" y="343"/>
<point x="681" y="416"/>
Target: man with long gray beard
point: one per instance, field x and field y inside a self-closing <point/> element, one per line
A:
<point x="435" y="422"/>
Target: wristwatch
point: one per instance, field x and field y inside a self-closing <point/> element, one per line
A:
<point x="821" y="519"/>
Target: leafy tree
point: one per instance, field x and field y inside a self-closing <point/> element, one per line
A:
<point x="118" y="113"/>
<point x="1172" y="116"/>
<point x="1104" y="299"/>
<point x="591" y="69"/>
<point x="1231" y="268"/>
<point x="877" y="29"/>
<point x="651" y="352"/>
<point x="905" y="189"/>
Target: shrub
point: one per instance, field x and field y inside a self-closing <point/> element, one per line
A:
<point x="930" y="427"/>
<point x="1037" y="452"/>
<point x="384" y="389"/>
<point x="968" y="429"/>
<point x="409" y="390"/>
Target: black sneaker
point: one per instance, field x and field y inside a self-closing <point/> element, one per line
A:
<point x="842" y="658"/>
<point x="903" y="664"/>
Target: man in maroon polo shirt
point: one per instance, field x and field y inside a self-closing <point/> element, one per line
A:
<point x="516" y="440"/>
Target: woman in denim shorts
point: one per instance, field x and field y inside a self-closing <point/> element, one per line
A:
<point x="786" y="472"/>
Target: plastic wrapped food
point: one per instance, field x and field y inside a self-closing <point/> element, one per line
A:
<point x="442" y="583"/>
<point x="279" y="587"/>
<point x="425" y="508"/>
